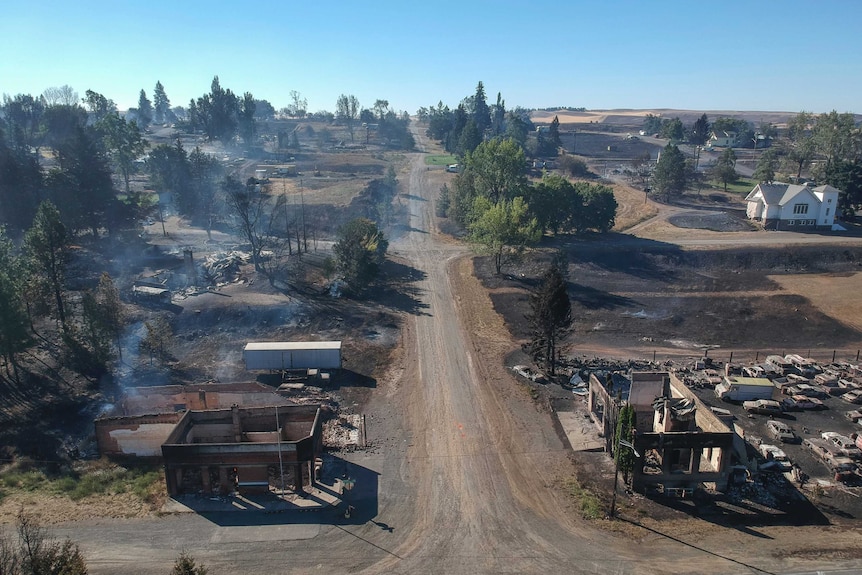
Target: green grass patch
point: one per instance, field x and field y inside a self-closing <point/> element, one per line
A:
<point x="589" y="505"/>
<point x="85" y="480"/>
<point x="740" y="186"/>
<point x="441" y="159"/>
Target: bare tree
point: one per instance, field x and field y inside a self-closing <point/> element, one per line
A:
<point x="347" y="111"/>
<point x="35" y="552"/>
<point x="60" y="96"/>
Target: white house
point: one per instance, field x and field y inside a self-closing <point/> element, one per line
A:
<point x="723" y="139"/>
<point x="791" y="207"/>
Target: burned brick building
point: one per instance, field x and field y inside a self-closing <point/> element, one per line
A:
<point x="216" y="438"/>
<point x="680" y="444"/>
<point x="245" y="450"/>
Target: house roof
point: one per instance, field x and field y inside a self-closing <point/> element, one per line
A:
<point x="723" y="134"/>
<point x="777" y="193"/>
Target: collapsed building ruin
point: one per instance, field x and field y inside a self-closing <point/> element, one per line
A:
<point x="216" y="438"/>
<point x="226" y="450"/>
<point x="679" y="443"/>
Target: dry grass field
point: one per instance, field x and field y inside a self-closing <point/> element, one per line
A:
<point x="836" y="295"/>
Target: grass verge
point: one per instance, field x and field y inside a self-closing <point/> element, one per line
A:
<point x="589" y="505"/>
<point x="740" y="186"/>
<point x="440" y="159"/>
<point x="83" y="480"/>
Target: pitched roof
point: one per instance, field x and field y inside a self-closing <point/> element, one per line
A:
<point x="777" y="193"/>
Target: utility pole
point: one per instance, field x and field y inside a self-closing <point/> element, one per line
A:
<point x="620" y="443"/>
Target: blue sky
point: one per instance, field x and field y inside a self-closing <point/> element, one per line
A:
<point x="770" y="55"/>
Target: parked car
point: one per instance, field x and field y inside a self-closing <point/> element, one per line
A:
<point x="775" y="457"/>
<point x="831" y="455"/>
<point x="804" y="403"/>
<point x="808" y="390"/>
<point x="763" y="407"/>
<point x="846" y="445"/>
<point x="781" y="431"/>
<point x="855" y="416"/>
<point x="854" y="396"/>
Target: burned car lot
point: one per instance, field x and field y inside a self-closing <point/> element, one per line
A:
<point x="821" y="438"/>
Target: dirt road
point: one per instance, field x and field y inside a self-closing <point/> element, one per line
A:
<point x="462" y="475"/>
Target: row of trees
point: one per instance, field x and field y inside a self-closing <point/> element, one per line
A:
<point x="389" y="126"/>
<point x="33" y="284"/>
<point x="89" y="142"/>
<point x="503" y="212"/>
<point x="461" y="130"/>
<point x="826" y="146"/>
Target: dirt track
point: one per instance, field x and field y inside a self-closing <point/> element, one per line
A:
<point x="462" y="475"/>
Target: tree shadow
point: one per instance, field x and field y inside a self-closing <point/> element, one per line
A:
<point x="592" y="298"/>
<point x="399" y="292"/>
<point x="625" y="254"/>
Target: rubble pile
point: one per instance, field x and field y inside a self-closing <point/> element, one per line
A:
<point x="343" y="431"/>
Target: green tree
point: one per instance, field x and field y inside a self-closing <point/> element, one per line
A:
<point x="103" y="318"/>
<point x="766" y="167"/>
<point x="724" y="170"/>
<point x="549" y="201"/>
<point x="799" y="147"/>
<point x="359" y="253"/>
<point x="498" y="116"/>
<point x="516" y="129"/>
<point x="186" y="565"/>
<point x="13" y="317"/>
<point x="669" y="175"/>
<point x="22" y="119"/>
<point x="600" y="206"/>
<point x="550" y="318"/>
<point x="441" y="208"/>
<point x="673" y="130"/>
<point x="652" y="124"/>
<point x="124" y="143"/>
<point x="203" y="191"/>
<point x="98" y="105"/>
<point x="245" y="118"/>
<point x="837" y="137"/>
<point x="381" y="107"/>
<point x="82" y="182"/>
<point x="145" y="110"/>
<point x="161" y="104"/>
<point x="700" y="131"/>
<point x="347" y="111"/>
<point x="499" y="169"/>
<point x="46" y="245"/>
<point x="481" y="112"/>
<point x="20" y="186"/>
<point x="158" y="339"/>
<point x="503" y="229"/>
<point x="847" y="177"/>
<point x="61" y="122"/>
<point x="625" y="459"/>
<point x="170" y="171"/>
<point x="470" y="138"/>
<point x="216" y="113"/>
